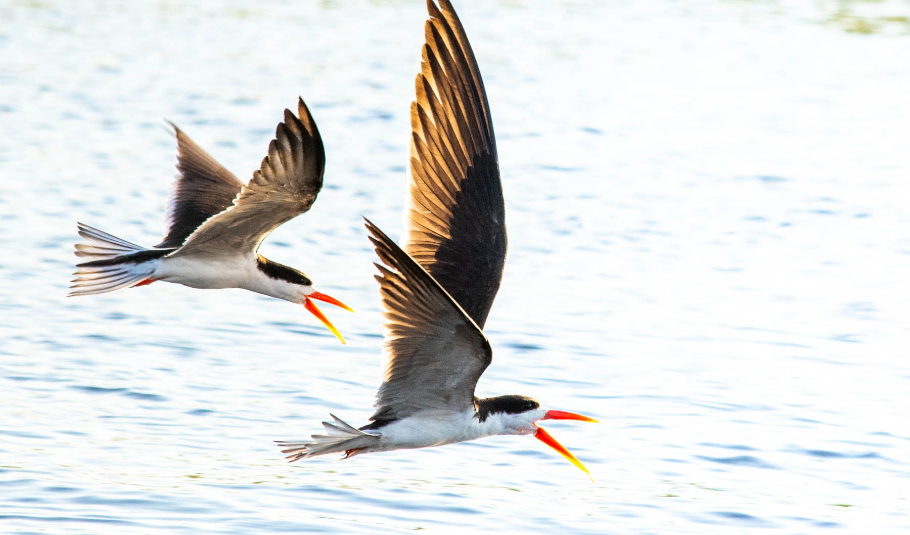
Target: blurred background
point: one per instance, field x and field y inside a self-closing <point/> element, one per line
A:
<point x="708" y="225"/>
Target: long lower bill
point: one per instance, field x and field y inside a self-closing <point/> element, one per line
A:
<point x="311" y="306"/>
<point x="545" y="437"/>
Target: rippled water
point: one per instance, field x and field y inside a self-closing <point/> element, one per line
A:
<point x="707" y="210"/>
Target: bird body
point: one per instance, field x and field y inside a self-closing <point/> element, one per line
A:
<point x="435" y="353"/>
<point x="437" y="291"/>
<point x="211" y="272"/>
<point x="423" y="430"/>
<point x="216" y="224"/>
<point x="249" y="271"/>
<point x="435" y="428"/>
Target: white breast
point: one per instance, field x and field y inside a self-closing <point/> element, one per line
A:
<point x="424" y="430"/>
<point x="206" y="272"/>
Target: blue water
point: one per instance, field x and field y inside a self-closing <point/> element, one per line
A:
<point x="707" y="209"/>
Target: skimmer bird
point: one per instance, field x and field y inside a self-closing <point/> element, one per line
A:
<point x="215" y="224"/>
<point x="438" y="291"/>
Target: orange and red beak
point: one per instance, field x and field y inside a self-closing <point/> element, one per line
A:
<point x="545" y="437"/>
<point x="311" y="306"/>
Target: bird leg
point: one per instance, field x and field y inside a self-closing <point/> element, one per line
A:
<point x="350" y="453"/>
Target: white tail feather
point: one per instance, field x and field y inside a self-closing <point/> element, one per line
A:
<point x="101" y="246"/>
<point x="339" y="437"/>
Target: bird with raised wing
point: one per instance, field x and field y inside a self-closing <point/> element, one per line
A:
<point x="435" y="354"/>
<point x="215" y="224"/>
<point x="437" y="298"/>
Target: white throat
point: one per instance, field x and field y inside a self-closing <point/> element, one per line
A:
<point x="280" y="289"/>
<point x="498" y="423"/>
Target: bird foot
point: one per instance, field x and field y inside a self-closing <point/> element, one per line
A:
<point x="350" y="453"/>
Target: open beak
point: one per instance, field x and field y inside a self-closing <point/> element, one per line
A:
<point x="311" y="306"/>
<point x="547" y="439"/>
<point x="330" y="300"/>
<point x="562" y="415"/>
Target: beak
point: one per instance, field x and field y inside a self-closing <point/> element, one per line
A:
<point x="562" y="415"/>
<point x="311" y="306"/>
<point x="545" y="437"/>
<point x="330" y="300"/>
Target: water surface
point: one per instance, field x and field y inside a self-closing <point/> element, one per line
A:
<point x="707" y="212"/>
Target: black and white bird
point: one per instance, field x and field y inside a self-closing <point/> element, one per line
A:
<point x="438" y="290"/>
<point x="215" y="224"/>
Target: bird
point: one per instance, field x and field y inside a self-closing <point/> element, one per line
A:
<point x="215" y="224"/>
<point x="437" y="291"/>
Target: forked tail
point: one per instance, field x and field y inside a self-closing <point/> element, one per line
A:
<point x="339" y="437"/>
<point x="113" y="264"/>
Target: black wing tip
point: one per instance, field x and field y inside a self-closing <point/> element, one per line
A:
<point x="307" y="120"/>
<point x="433" y="10"/>
<point x="445" y="12"/>
<point x="172" y="129"/>
<point x="308" y="124"/>
<point x="377" y="234"/>
<point x="291" y="127"/>
<point x="304" y="110"/>
<point x="388" y="251"/>
<point x="289" y="117"/>
<point x="302" y="122"/>
<point x="285" y="134"/>
<point x="380" y="238"/>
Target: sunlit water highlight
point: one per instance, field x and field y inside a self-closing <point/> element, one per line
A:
<point x="707" y="210"/>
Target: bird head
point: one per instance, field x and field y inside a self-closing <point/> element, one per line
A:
<point x="518" y="415"/>
<point x="292" y="285"/>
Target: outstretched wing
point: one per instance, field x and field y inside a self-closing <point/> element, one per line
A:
<point x="203" y="188"/>
<point x="284" y="187"/>
<point x="434" y="353"/>
<point x="456" y="216"/>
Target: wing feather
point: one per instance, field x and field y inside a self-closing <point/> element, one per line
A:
<point x="456" y="214"/>
<point x="285" y="186"/>
<point x="202" y="189"/>
<point x="434" y="352"/>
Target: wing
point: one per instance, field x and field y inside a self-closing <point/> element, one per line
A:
<point x="203" y="188"/>
<point x="456" y="216"/>
<point x="434" y="353"/>
<point x="284" y="187"/>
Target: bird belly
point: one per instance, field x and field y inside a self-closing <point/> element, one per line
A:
<point x="425" y="432"/>
<point x="201" y="272"/>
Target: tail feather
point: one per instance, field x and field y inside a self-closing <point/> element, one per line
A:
<point x="114" y="263"/>
<point x="339" y="437"/>
<point x="102" y="245"/>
